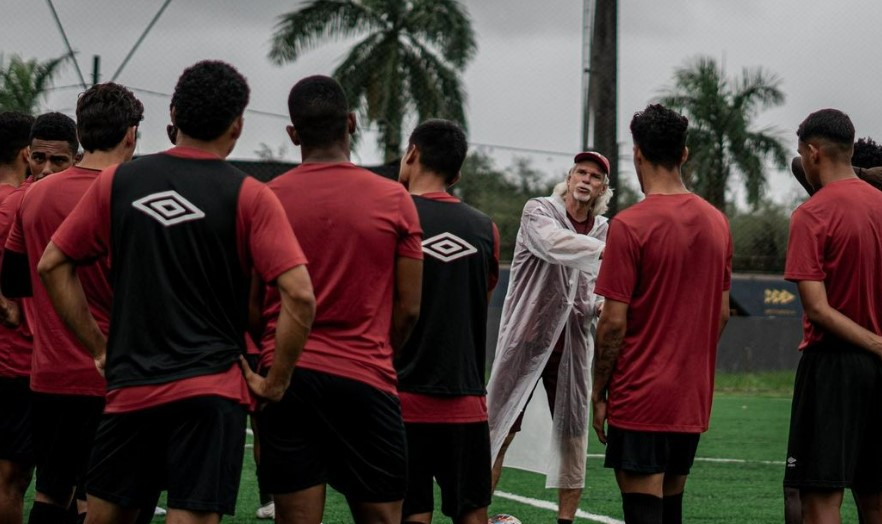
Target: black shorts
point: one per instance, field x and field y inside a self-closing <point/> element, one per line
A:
<point x="836" y="421"/>
<point x="649" y="453"/>
<point x="15" y="420"/>
<point x="333" y="430"/>
<point x="549" y="382"/>
<point x="458" y="457"/>
<point x="193" y="448"/>
<point x="63" y="432"/>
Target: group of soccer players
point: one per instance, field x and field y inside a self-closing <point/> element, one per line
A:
<point x="134" y="290"/>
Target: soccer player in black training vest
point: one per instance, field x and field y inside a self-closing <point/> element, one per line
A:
<point x="441" y="367"/>
<point x="184" y="230"/>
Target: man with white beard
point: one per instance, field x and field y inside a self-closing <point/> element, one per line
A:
<point x="546" y="331"/>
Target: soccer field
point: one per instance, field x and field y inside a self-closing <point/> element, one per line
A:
<point x="736" y="478"/>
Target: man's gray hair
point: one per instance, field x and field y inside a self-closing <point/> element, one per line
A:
<point x="600" y="205"/>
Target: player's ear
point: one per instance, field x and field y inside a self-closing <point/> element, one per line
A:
<point x="236" y="127"/>
<point x="685" y="156"/>
<point x="455" y="179"/>
<point x="412" y="154"/>
<point x="292" y="134"/>
<point x="352" y="123"/>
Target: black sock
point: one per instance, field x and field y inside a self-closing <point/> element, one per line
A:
<point x="642" y="508"/>
<point x="44" y="513"/>
<point x="564" y="521"/>
<point x="673" y="512"/>
<point x="265" y="498"/>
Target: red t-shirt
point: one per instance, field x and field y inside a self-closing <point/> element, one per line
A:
<point x="836" y="238"/>
<point x="434" y="409"/>
<point x="16" y="343"/>
<point x="352" y="225"/>
<point x="669" y="258"/>
<point x="61" y="365"/>
<point x="264" y="240"/>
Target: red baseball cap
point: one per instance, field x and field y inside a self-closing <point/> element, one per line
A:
<point x="594" y="156"/>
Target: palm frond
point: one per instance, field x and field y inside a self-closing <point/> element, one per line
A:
<point x="445" y="25"/>
<point x="756" y="90"/>
<point x="301" y="30"/>
<point x="448" y="85"/>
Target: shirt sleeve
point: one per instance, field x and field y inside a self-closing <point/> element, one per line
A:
<point x="621" y="264"/>
<point x="410" y="232"/>
<point x="15" y="241"/>
<point x="493" y="276"/>
<point x="546" y="238"/>
<point x="85" y="233"/>
<point x="805" y="249"/>
<point x="266" y="241"/>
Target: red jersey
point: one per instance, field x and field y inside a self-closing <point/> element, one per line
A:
<point x="352" y="225"/>
<point x="836" y="238"/>
<point x="669" y="258"/>
<point x="61" y="365"/>
<point x="264" y="242"/>
<point x="15" y="344"/>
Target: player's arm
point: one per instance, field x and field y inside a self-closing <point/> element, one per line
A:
<point x="292" y="330"/>
<point x="799" y="175"/>
<point x="15" y="282"/>
<point x="610" y="335"/>
<point x="813" y="294"/>
<point x="724" y="312"/>
<point x="255" y="308"/>
<point x="59" y="276"/>
<point x="406" y="303"/>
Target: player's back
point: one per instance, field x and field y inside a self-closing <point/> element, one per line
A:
<point x="351" y="224"/>
<point x="846" y="217"/>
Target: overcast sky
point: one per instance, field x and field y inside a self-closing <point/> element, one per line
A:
<point x="524" y="86"/>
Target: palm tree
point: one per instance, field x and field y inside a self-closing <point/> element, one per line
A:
<point x="409" y="60"/>
<point x="24" y="82"/>
<point x="721" y="137"/>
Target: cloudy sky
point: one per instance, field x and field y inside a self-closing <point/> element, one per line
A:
<point x="524" y="84"/>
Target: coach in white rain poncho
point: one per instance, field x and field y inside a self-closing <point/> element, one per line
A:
<point x="546" y="331"/>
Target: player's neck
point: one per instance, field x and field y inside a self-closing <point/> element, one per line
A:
<point x="658" y="180"/>
<point x="220" y="147"/>
<point x="333" y="154"/>
<point x="835" y="173"/>
<point x="103" y="159"/>
<point x="422" y="183"/>
<point x="11" y="175"/>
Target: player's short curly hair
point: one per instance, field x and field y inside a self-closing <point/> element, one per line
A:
<point x="104" y="113"/>
<point x="442" y="145"/>
<point x="15" y="134"/>
<point x="56" y="126"/>
<point x="831" y="125"/>
<point x="660" y="134"/>
<point x="867" y="153"/>
<point x="319" y="111"/>
<point x="208" y="97"/>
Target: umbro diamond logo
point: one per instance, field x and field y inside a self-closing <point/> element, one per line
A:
<point x="168" y="208"/>
<point x="447" y="247"/>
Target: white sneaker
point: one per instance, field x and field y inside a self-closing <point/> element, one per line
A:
<point x="267" y="511"/>
<point x="158" y="512"/>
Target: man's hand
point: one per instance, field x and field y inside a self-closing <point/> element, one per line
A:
<point x="600" y="419"/>
<point x="260" y="386"/>
<point x="99" y="363"/>
<point x="10" y="313"/>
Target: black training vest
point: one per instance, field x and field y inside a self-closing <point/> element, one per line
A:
<point x="445" y="353"/>
<point x="180" y="303"/>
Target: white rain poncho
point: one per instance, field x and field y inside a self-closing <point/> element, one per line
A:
<point x="551" y="289"/>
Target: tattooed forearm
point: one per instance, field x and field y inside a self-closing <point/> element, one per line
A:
<point x="609" y="345"/>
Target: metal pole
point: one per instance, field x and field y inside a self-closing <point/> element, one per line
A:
<point x="70" y="51"/>
<point x="587" y="36"/>
<point x="140" y="39"/>
<point x="96" y="69"/>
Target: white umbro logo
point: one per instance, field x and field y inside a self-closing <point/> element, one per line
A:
<point x="447" y="247"/>
<point x="168" y="208"/>
<point x="791" y="462"/>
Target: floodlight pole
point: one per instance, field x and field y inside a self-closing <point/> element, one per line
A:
<point x="96" y="69"/>
<point x="70" y="50"/>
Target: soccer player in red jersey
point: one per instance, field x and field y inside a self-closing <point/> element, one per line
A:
<point x="16" y="453"/>
<point x="665" y="275"/>
<point x="68" y="389"/>
<point x="183" y="230"/>
<point x="834" y="255"/>
<point x="340" y="421"/>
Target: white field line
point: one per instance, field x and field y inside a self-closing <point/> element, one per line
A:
<point x="718" y="460"/>
<point x="544" y="504"/>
